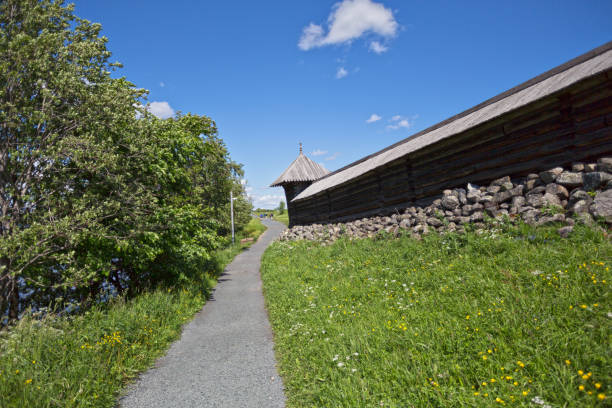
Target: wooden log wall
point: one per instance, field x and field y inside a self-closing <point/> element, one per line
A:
<point x="574" y="125"/>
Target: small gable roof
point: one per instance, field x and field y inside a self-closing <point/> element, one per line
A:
<point x="302" y="169"/>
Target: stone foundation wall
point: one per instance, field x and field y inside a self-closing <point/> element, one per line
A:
<point x="582" y="193"/>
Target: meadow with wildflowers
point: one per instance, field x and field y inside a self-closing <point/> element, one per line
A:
<point x="85" y="359"/>
<point x="513" y="316"/>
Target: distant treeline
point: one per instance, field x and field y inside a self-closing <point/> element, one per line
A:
<point x="95" y="192"/>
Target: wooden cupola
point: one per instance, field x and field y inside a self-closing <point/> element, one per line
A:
<point x="299" y="175"/>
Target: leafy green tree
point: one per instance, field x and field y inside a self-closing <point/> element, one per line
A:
<point x="63" y="120"/>
<point x="91" y="192"/>
<point x="281" y="207"/>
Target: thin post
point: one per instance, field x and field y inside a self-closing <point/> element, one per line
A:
<point x="232" y="214"/>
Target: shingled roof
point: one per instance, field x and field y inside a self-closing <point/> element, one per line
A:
<point x="547" y="84"/>
<point x="302" y="169"/>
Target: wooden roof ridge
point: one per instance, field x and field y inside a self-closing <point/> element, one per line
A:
<point x="301" y="169"/>
<point x="592" y="63"/>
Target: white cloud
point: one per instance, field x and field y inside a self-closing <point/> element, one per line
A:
<point x="399" y="122"/>
<point x="374" y="118"/>
<point x="333" y="156"/>
<point x="377" y="47"/>
<point x="162" y="84"/>
<point x="341" y="73"/>
<point x="349" y="20"/>
<point x="311" y="36"/>
<point x="266" y="201"/>
<point x="161" y="109"/>
<point x="318" y="152"/>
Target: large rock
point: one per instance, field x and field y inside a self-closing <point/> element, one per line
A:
<point x="578" y="195"/>
<point x="518" y="201"/>
<point x="564" y="232"/>
<point x="602" y="206"/>
<point x="535" y="200"/>
<point x="493" y="189"/>
<point x="551" y="199"/>
<point x="473" y="196"/>
<point x="594" y="180"/>
<point x="569" y="179"/>
<point x="605" y="164"/>
<point x="504" y="196"/>
<point x="549" y="176"/>
<point x="557" y="190"/>
<point x="434" y="222"/>
<point x="500" y="181"/>
<point x="450" y="202"/>
<point x="580" y="207"/>
<point x="477" y="216"/>
<point x="537" y="190"/>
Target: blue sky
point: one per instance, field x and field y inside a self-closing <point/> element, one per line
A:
<point x="345" y="78"/>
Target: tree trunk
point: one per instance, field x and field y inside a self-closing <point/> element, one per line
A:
<point x="4" y="280"/>
<point x="9" y="291"/>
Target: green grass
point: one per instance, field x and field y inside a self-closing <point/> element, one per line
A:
<point x="86" y="360"/>
<point x="253" y="229"/>
<point x="284" y="217"/>
<point x="468" y="320"/>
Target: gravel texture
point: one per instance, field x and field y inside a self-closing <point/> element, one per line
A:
<point x="225" y="356"/>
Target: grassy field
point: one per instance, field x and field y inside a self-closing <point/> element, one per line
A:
<point x="276" y="215"/>
<point x="284" y="217"/>
<point x="86" y="360"/>
<point x="516" y="317"/>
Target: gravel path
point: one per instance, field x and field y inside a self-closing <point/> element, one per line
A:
<point x="225" y="356"/>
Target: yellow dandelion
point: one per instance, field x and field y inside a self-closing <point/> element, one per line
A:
<point x="581" y="387"/>
<point x="567" y="362"/>
<point x="28" y="381"/>
<point x="520" y="364"/>
<point x="580" y="372"/>
<point x="597" y="385"/>
<point x="585" y="377"/>
<point x="601" y="396"/>
<point x="477" y="393"/>
<point x="484" y="357"/>
<point x="525" y="393"/>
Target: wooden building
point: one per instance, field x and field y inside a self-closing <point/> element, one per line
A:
<point x="297" y="177"/>
<point x="555" y="119"/>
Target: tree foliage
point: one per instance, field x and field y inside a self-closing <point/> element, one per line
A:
<point x="95" y="191"/>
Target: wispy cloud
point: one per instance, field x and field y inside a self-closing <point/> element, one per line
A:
<point x="374" y="118"/>
<point x="162" y="84"/>
<point x="400" y="122"/>
<point x="349" y="20"/>
<point x="332" y="157"/>
<point x="341" y="73"/>
<point x="377" y="47"/>
<point x="265" y="197"/>
<point x="162" y="110"/>
<point x="318" y="152"/>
